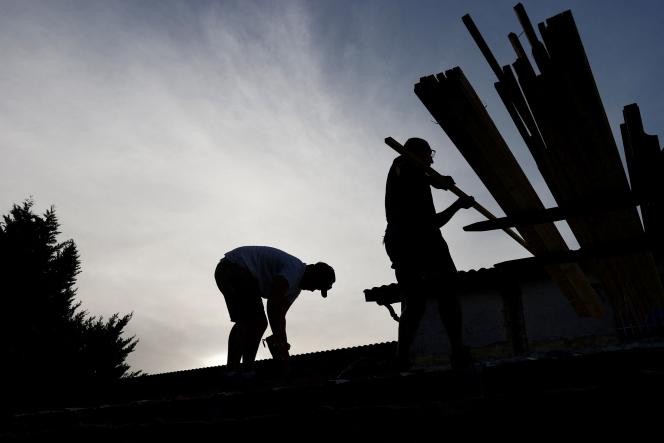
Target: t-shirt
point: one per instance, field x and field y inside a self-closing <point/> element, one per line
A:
<point x="408" y="200"/>
<point x="265" y="263"/>
<point x="412" y="237"/>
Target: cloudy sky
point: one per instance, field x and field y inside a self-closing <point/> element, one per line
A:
<point x="168" y="132"/>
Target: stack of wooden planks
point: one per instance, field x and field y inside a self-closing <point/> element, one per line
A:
<point x="559" y="113"/>
<point x="456" y="107"/>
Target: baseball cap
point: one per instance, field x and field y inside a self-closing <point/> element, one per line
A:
<point x="326" y="277"/>
<point x="418" y="145"/>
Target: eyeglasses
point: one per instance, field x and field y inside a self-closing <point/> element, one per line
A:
<point x="433" y="153"/>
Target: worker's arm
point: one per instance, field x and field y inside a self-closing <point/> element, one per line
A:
<point x="438" y="181"/>
<point x="462" y="203"/>
<point x="277" y="305"/>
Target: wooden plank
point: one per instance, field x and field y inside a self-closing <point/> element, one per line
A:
<point x="540" y="53"/>
<point x="588" y="256"/>
<point x="482" y="45"/>
<point x="593" y="150"/>
<point x="603" y="170"/>
<point x="549" y="215"/>
<point x="642" y="153"/>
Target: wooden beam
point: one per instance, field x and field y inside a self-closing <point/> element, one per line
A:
<point x="642" y="153"/>
<point x="549" y="215"/>
<point x="540" y="53"/>
<point x="591" y="255"/>
<point x="481" y="44"/>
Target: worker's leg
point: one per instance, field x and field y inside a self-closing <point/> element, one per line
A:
<point x="449" y="309"/>
<point x="451" y="315"/>
<point x="243" y="300"/>
<point x="244" y="340"/>
<point x="224" y="276"/>
<point x="408" y="325"/>
<point x="234" y="347"/>
<point x="414" y="303"/>
<point x="254" y="332"/>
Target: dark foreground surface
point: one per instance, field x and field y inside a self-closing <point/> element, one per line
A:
<point x="619" y="388"/>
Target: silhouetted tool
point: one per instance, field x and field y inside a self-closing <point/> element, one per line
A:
<point x="433" y="174"/>
<point x="279" y="350"/>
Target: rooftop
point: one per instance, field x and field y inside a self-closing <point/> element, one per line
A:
<point x="564" y="387"/>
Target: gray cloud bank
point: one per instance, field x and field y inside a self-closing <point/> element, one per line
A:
<point x="168" y="135"/>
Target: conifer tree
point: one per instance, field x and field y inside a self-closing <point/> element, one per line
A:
<point x="53" y="348"/>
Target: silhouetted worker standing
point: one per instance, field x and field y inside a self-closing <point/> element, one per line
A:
<point x="248" y="274"/>
<point x="419" y="254"/>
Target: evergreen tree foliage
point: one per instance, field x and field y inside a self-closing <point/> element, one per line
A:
<point x="52" y="348"/>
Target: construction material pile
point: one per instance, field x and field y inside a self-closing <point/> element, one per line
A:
<point x="558" y="111"/>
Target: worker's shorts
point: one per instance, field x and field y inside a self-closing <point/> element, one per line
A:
<point x="240" y="290"/>
<point x="420" y="283"/>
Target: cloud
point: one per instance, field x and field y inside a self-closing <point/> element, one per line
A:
<point x="162" y="148"/>
<point x="167" y="136"/>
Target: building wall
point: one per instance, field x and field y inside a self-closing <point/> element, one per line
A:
<point x="548" y="319"/>
<point x="483" y="320"/>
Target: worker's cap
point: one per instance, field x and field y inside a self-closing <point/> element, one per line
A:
<point x="418" y="145"/>
<point x="325" y="277"/>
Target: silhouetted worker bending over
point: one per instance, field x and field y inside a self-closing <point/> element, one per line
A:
<point x="250" y="273"/>
<point x="419" y="254"/>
